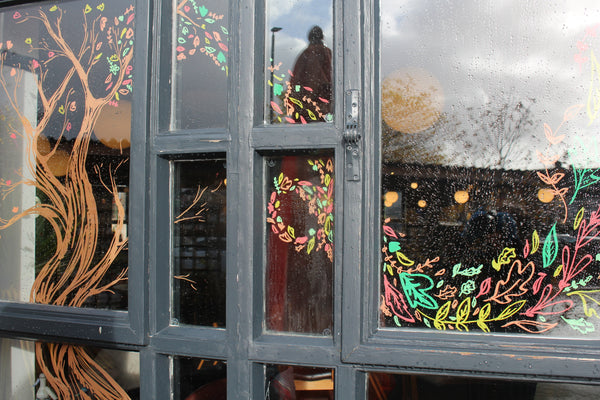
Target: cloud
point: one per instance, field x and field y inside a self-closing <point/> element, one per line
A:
<point x="280" y="8"/>
<point x="480" y="50"/>
<point x="296" y="18"/>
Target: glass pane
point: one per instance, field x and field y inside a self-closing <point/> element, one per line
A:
<point x="36" y="370"/>
<point x="199" y="379"/>
<point x="299" y="280"/>
<point x="391" y="386"/>
<point x="65" y="125"/>
<point x="200" y="59"/>
<point x="491" y="217"/>
<point x="283" y="382"/>
<point x="200" y="242"/>
<point x="298" y="62"/>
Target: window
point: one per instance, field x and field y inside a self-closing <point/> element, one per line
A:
<point x="306" y="199"/>
<point x="67" y="81"/>
<point x="67" y="159"/>
<point x="480" y="166"/>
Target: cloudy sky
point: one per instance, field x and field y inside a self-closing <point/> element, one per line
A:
<point x="296" y="17"/>
<point x="485" y="50"/>
<point x="480" y="52"/>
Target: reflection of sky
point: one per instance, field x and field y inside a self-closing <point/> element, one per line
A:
<point x="296" y="17"/>
<point x="481" y="50"/>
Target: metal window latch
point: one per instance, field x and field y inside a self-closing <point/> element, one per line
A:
<point x="352" y="136"/>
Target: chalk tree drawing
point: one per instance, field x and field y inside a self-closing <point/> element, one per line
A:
<point x="65" y="74"/>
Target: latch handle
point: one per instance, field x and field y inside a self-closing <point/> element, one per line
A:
<point x="352" y="135"/>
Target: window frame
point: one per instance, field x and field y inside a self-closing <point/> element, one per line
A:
<point x="259" y="141"/>
<point x="103" y="327"/>
<point x="428" y="351"/>
<point x="358" y="345"/>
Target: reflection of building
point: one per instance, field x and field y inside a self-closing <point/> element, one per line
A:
<point x="511" y="191"/>
<point x="514" y="191"/>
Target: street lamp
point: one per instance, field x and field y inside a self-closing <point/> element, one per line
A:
<point x="273" y="30"/>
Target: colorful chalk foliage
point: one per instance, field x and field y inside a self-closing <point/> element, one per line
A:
<point x="199" y="65"/>
<point x="200" y="32"/>
<point x="509" y="246"/>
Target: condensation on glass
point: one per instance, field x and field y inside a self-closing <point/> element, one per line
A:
<point x="199" y="219"/>
<point x="490" y="203"/>
<point x="299" y="245"/>
<point x="298" y="63"/>
<point x="37" y="370"/>
<point x="199" y="379"/>
<point x="383" y="386"/>
<point x="200" y="59"/>
<point x="298" y="382"/>
<point x="65" y="126"/>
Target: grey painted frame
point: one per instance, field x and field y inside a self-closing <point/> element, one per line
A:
<point x="416" y="351"/>
<point x="167" y="339"/>
<point x="358" y="345"/>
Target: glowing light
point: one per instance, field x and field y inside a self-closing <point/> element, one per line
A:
<point x="414" y="185"/>
<point x="412" y="100"/>
<point x="545" y="195"/>
<point x="113" y="127"/>
<point x="422" y="203"/>
<point x="390" y="198"/>
<point x="461" y="196"/>
<point x="59" y="163"/>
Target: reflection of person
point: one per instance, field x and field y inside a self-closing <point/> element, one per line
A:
<point x="312" y="77"/>
<point x="501" y="227"/>
<point x="487" y="233"/>
<point x="489" y="237"/>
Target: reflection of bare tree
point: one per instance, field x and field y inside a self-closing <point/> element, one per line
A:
<point x="497" y="134"/>
<point x="501" y="125"/>
<point x="74" y="272"/>
<point x="423" y="148"/>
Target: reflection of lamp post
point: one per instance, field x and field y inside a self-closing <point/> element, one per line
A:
<point x="273" y="30"/>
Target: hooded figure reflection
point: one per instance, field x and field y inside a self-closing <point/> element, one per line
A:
<point x="311" y="80"/>
<point x="486" y="234"/>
